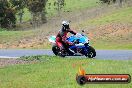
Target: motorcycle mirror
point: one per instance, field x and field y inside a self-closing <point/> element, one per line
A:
<point x="83" y="31"/>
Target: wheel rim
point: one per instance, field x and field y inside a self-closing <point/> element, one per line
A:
<point x="91" y="54"/>
<point x="61" y="54"/>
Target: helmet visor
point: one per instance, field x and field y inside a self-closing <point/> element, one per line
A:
<point x="67" y="26"/>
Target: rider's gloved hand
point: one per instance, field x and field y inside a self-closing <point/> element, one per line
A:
<point x="70" y="43"/>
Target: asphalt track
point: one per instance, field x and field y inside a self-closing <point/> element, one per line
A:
<point x="101" y="54"/>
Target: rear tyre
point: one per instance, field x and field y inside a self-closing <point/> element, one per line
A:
<point x="61" y="54"/>
<point x="55" y="49"/>
<point x="91" y="53"/>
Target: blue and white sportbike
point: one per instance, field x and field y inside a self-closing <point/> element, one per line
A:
<point x="81" y="46"/>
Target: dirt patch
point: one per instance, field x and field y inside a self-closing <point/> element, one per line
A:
<point x="6" y="62"/>
<point x="114" y="31"/>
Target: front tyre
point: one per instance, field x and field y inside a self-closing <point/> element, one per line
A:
<point x="91" y="53"/>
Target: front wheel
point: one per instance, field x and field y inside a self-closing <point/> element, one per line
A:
<point x="91" y="53"/>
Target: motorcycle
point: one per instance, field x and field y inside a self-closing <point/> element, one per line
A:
<point x="81" y="46"/>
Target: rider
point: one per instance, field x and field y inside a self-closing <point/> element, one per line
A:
<point x="61" y="38"/>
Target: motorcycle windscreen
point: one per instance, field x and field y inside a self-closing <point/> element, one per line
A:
<point x="82" y="39"/>
<point x="71" y="38"/>
<point x="52" y="39"/>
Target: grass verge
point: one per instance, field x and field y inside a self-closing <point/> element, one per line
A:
<point x="111" y="45"/>
<point x="10" y="36"/>
<point x="56" y="72"/>
<point x="122" y="15"/>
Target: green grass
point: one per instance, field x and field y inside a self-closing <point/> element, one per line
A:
<point x="112" y="45"/>
<point x="26" y="15"/>
<point x="123" y="15"/>
<point x="55" y="72"/>
<point x="73" y="5"/>
<point x="10" y="36"/>
<point x="80" y="4"/>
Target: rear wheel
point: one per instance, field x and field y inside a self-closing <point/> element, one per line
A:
<point x="61" y="54"/>
<point x="55" y="49"/>
<point x="91" y="53"/>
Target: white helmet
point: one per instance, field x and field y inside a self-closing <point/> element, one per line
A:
<point x="65" y="24"/>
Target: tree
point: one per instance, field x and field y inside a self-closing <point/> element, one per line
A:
<point x="59" y="5"/>
<point x="7" y="14"/>
<point x="19" y="6"/>
<point x="120" y="2"/>
<point x="37" y="9"/>
<point x="108" y="1"/>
